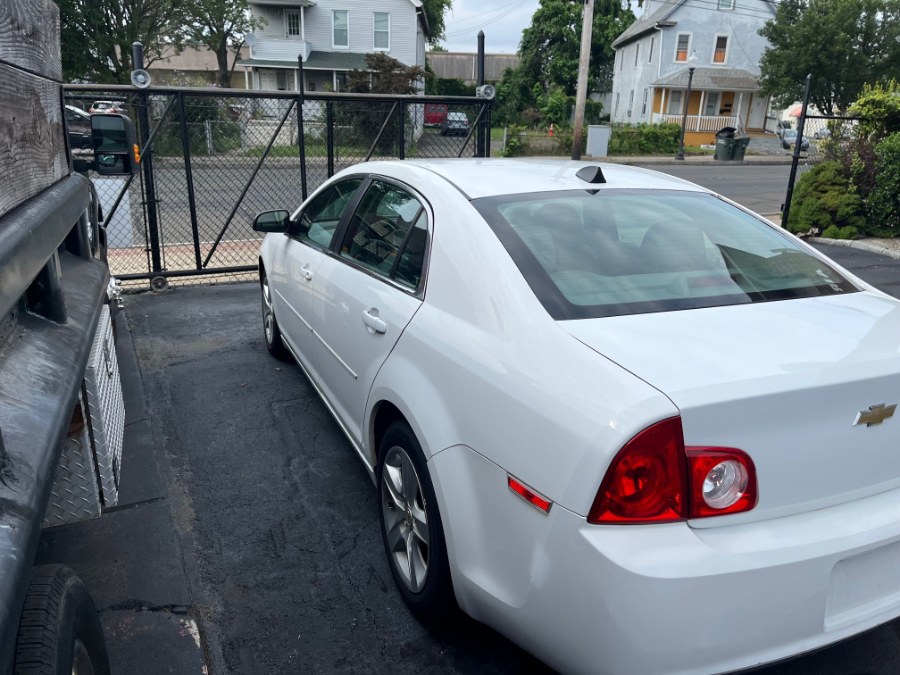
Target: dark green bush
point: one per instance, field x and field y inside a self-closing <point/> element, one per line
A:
<point x="883" y="204"/>
<point x="644" y="139"/>
<point x="824" y="198"/>
<point x="835" y="232"/>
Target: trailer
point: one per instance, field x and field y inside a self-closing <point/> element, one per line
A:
<point x="61" y="410"/>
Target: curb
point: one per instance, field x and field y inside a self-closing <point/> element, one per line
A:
<point x="860" y="244"/>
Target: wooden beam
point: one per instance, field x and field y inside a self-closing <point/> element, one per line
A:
<point x="33" y="150"/>
<point x="29" y="36"/>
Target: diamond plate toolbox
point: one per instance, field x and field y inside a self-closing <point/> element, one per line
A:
<point x="75" y="495"/>
<point x="105" y="409"/>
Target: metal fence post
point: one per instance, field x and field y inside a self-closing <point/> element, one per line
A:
<point x="479" y="80"/>
<point x="189" y="178"/>
<point x="786" y="211"/>
<point x="301" y="133"/>
<point x="402" y="117"/>
<point x="147" y="165"/>
<point x="329" y="135"/>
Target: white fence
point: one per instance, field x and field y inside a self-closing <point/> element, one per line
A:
<point x="699" y="122"/>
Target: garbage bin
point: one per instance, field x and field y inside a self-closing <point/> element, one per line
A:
<point x="725" y="144"/>
<point x="725" y="149"/>
<point x="598" y="140"/>
<point x="740" y="148"/>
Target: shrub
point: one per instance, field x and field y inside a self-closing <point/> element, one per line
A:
<point x="644" y="139"/>
<point x="835" y="232"/>
<point x="883" y="204"/>
<point x="824" y="198"/>
<point x="879" y="109"/>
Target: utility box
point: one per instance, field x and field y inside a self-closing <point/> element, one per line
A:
<point x="598" y="140"/>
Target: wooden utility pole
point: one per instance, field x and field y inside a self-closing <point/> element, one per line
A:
<point x="584" y="61"/>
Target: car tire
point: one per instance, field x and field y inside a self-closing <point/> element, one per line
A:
<point x="59" y="632"/>
<point x="411" y="528"/>
<point x="271" y="332"/>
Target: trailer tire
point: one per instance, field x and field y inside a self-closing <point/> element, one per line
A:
<point x="59" y="632"/>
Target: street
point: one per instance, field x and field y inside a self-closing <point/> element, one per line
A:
<point x="258" y="524"/>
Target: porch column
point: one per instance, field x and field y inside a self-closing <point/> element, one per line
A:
<point x="334" y="80"/>
<point x="297" y="80"/>
<point x="739" y="106"/>
<point x="662" y="101"/>
<point x="700" y="110"/>
<point x="303" y="24"/>
<point x="246" y="78"/>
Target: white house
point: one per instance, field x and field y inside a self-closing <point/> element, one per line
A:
<point x="333" y="37"/>
<point x="719" y="39"/>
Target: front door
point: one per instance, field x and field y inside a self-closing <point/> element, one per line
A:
<point x="364" y="297"/>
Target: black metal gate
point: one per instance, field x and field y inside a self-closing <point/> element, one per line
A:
<point x="213" y="158"/>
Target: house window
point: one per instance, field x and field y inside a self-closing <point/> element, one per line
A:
<point x="683" y="47"/>
<point x="721" y="51"/>
<point x="630" y="102"/>
<point x="650" y="54"/>
<point x="340" y="24"/>
<point x="673" y="107"/>
<point x="637" y="53"/>
<point x="644" y="107"/>
<point x="712" y="104"/>
<point x="382" y="31"/>
<point x="292" y="23"/>
<point x="726" y="4"/>
<point x="616" y="109"/>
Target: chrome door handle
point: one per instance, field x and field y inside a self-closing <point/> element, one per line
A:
<point x="307" y="273"/>
<point x="374" y="323"/>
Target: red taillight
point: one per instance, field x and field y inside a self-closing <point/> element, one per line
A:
<point x="647" y="480"/>
<point x="723" y="480"/>
<point x="655" y="479"/>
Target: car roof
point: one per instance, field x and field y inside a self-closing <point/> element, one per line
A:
<point x="477" y="178"/>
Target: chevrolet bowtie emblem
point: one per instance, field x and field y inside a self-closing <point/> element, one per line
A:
<point x="876" y="414"/>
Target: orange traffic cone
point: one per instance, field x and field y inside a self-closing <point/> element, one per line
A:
<point x="551" y="129"/>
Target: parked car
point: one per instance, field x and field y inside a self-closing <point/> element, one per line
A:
<point x="456" y="124"/>
<point x="789" y="139"/>
<point x="572" y="388"/>
<point x="106" y="107"/>
<point x="78" y="125"/>
<point x="435" y="114"/>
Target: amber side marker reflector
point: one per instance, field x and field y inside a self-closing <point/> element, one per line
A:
<point x="137" y="154"/>
<point x="529" y="495"/>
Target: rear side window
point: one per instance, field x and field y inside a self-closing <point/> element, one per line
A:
<point x="388" y="234"/>
<point x="612" y="252"/>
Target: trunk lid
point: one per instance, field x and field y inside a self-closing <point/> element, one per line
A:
<point x="783" y="381"/>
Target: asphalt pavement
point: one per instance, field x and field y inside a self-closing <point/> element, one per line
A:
<point x="247" y="539"/>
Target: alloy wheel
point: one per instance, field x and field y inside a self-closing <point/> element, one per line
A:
<point x="405" y="518"/>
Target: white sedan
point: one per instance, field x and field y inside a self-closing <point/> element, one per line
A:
<point x="627" y="423"/>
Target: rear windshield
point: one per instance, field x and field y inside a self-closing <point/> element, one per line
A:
<point x="590" y="254"/>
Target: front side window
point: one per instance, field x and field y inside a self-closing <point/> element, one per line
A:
<point x="319" y="220"/>
<point x="388" y="234"/>
<point x="721" y="51"/>
<point x="340" y="28"/>
<point x="382" y="31"/>
<point x="589" y="254"/>
<point x="682" y="47"/>
<point x="292" y="22"/>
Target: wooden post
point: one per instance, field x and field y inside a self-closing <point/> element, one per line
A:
<point x="584" y="61"/>
<point x="33" y="152"/>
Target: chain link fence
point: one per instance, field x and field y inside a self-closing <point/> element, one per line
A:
<point x="216" y="158"/>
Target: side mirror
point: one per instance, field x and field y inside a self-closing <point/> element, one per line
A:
<point x="115" y="146"/>
<point x="271" y="221"/>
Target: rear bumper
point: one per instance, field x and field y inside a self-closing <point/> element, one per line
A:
<point x="673" y="599"/>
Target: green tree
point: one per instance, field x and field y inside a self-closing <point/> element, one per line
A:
<point x="434" y="13"/>
<point x="550" y="46"/>
<point x="843" y="43"/>
<point x="97" y="36"/>
<point x="220" y="25"/>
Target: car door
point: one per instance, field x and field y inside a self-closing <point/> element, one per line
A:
<point x="298" y="258"/>
<point x="366" y="294"/>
